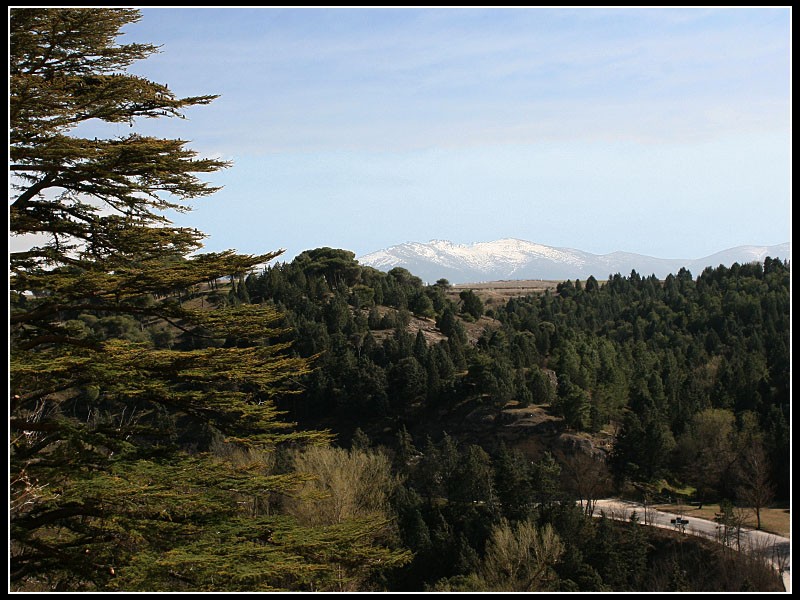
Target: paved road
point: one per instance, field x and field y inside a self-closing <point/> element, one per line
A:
<point x="772" y="547"/>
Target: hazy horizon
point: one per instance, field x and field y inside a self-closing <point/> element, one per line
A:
<point x="479" y="242"/>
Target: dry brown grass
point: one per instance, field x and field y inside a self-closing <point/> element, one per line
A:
<point x="773" y="520"/>
<point x="496" y="293"/>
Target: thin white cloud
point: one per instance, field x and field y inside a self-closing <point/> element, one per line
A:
<point x="324" y="79"/>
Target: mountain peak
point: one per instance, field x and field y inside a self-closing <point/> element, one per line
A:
<point x="512" y="258"/>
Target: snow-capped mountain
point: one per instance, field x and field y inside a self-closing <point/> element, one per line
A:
<point x="518" y="259"/>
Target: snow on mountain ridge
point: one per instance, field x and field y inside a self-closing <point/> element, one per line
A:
<point x="483" y="256"/>
<point x="511" y="258"/>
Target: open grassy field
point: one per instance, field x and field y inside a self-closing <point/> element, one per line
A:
<point x="498" y="292"/>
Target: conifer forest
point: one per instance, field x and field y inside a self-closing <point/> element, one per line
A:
<point x="192" y="421"/>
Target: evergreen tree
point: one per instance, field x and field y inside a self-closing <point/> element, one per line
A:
<point x="114" y="484"/>
<point x="360" y="440"/>
<point x="420" y="347"/>
<point x="473" y="480"/>
<point x="546" y="485"/>
<point x="513" y="484"/>
<point x="406" y="453"/>
<point x="471" y="304"/>
<point x="572" y="403"/>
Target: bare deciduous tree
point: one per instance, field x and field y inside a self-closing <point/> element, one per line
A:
<point x="350" y="484"/>
<point x="755" y="488"/>
<point x="520" y="558"/>
<point x="586" y="476"/>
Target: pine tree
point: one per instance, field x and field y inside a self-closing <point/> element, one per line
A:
<point x="513" y="483"/>
<point x="114" y="484"/>
<point x="471" y="304"/>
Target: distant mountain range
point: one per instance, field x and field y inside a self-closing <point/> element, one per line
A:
<point x="517" y="259"/>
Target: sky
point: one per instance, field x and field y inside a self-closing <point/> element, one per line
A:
<point x="665" y="132"/>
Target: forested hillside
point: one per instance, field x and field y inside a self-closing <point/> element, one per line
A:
<point x="651" y="388"/>
<point x="658" y="363"/>
<point x="187" y="421"/>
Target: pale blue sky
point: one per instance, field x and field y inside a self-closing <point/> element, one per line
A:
<point x="664" y="132"/>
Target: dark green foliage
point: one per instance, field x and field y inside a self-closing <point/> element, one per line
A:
<point x="572" y="403"/>
<point x="472" y="480"/>
<point x="336" y="266"/>
<point x="637" y="354"/>
<point x="129" y="364"/>
<point x="360" y="440"/>
<point x="471" y="305"/>
<point x="652" y="386"/>
<point x="643" y="356"/>
<point x="513" y="484"/>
